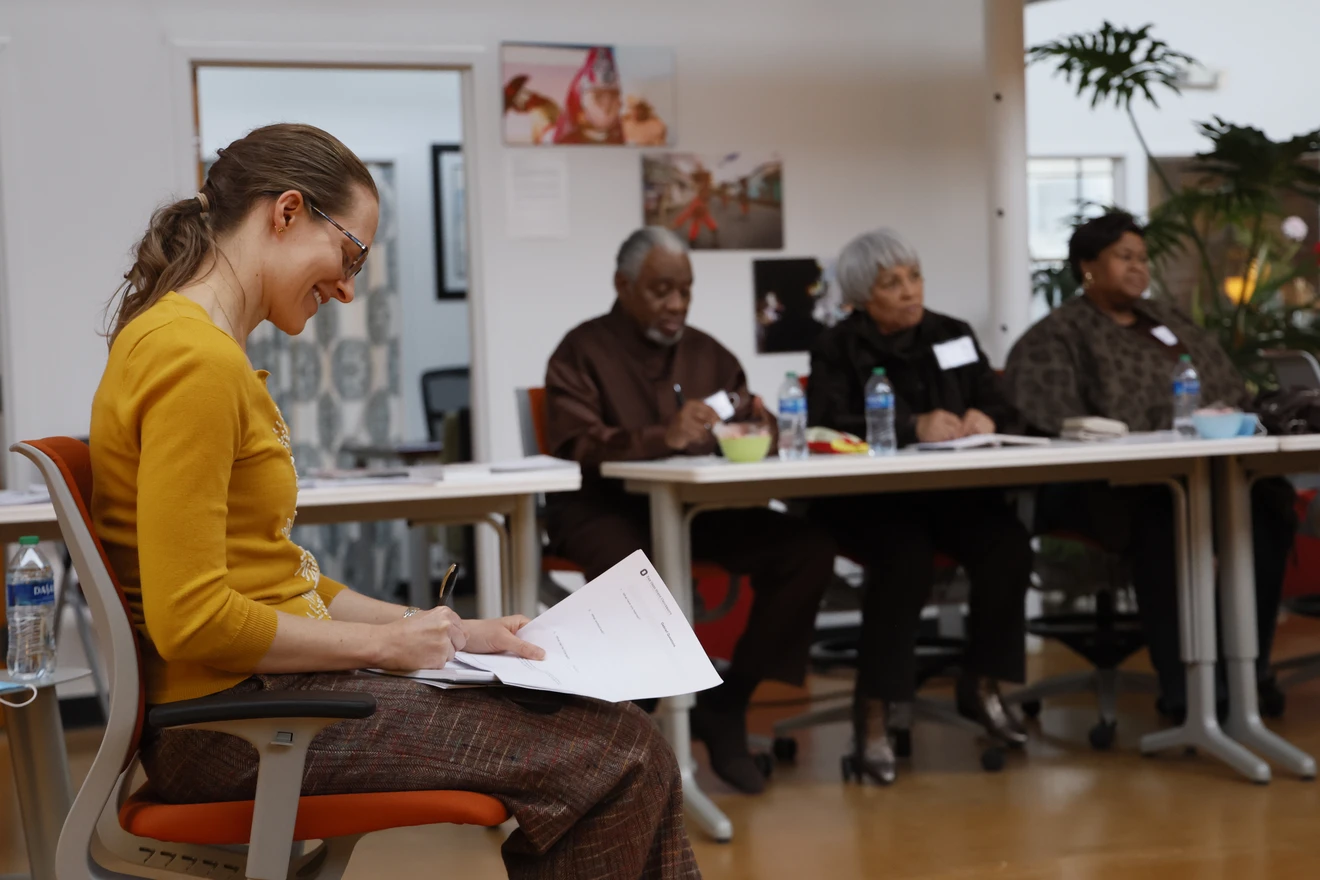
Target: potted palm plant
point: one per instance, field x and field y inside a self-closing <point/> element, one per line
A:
<point x="1226" y="233"/>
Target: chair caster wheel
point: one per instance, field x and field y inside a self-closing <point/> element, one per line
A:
<point x="1031" y="708"/>
<point x="992" y="759"/>
<point x="1102" y="735"/>
<point x="764" y="763"/>
<point x="902" y="739"/>
<point x="848" y="767"/>
<point x="785" y="749"/>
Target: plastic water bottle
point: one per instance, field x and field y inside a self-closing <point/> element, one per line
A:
<point x="30" y="608"/>
<point x="1186" y="397"/>
<point x="880" y="436"/>
<point x="792" y="419"/>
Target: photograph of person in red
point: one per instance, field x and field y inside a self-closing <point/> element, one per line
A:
<point x="587" y="95"/>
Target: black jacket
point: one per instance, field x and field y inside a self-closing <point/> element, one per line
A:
<point x="844" y="356"/>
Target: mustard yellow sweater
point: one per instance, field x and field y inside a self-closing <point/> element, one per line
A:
<point x="195" y="495"/>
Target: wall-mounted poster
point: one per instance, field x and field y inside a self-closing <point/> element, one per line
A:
<point x="587" y="95"/>
<point x="794" y="300"/>
<point x="729" y="202"/>
<point x="450" y="197"/>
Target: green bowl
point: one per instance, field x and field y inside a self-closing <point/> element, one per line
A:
<point x="747" y="448"/>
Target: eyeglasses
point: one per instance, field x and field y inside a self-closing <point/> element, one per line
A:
<point x="354" y="266"/>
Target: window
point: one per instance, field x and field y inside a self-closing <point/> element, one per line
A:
<point x="1058" y="190"/>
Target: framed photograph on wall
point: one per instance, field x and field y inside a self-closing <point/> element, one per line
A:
<point x="568" y="95"/>
<point x="450" y="197"/>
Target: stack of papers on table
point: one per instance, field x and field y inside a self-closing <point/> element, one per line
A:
<point x="530" y="463"/>
<point x="37" y="494"/>
<point x="372" y="476"/>
<point x="619" y="637"/>
<point x="981" y="441"/>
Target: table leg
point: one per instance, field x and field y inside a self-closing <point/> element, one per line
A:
<point x="668" y="544"/>
<point x="419" y="566"/>
<point x="1237" y="599"/>
<point x="41" y="777"/>
<point x="1196" y="612"/>
<point x="526" y="553"/>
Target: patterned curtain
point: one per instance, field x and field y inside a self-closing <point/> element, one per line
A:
<point x="337" y="384"/>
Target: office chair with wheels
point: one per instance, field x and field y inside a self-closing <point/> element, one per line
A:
<point x="938" y="656"/>
<point x="1077" y="567"/>
<point x="111" y="834"/>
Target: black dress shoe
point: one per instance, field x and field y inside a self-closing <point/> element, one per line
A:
<point x="979" y="700"/>
<point x="872" y="756"/>
<point x="724" y="731"/>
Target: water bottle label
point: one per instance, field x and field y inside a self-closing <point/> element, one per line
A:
<point x="879" y="401"/>
<point x="1181" y="387"/>
<point x="37" y="593"/>
<point x="792" y="406"/>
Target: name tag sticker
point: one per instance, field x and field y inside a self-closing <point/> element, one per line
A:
<point x="1165" y="335"/>
<point x="722" y="404"/>
<point x="955" y="353"/>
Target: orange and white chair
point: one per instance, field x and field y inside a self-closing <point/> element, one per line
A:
<point x="112" y="833"/>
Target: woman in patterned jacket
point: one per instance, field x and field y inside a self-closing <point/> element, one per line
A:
<point x="195" y="498"/>
<point x="1111" y="352"/>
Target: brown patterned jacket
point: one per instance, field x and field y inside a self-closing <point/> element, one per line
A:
<point x="1078" y="362"/>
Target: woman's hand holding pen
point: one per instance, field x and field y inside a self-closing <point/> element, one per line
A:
<point x="426" y="640"/>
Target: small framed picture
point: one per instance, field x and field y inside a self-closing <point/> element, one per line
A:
<point x="450" y="195"/>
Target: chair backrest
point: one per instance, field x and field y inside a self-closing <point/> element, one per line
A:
<point x="1295" y="370"/>
<point x="531" y="420"/>
<point x="66" y="465"/>
<point x="444" y="391"/>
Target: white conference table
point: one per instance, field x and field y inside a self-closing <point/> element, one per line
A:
<point x="679" y="488"/>
<point x="469" y="493"/>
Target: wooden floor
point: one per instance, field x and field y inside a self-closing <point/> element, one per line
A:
<point x="1059" y="811"/>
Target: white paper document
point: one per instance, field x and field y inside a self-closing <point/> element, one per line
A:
<point x="536" y="194"/>
<point x="981" y="441"/>
<point x="455" y="672"/>
<point x="620" y="637"/>
<point x="722" y="403"/>
<point x="531" y="463"/>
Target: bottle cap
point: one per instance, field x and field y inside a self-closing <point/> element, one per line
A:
<point x="29" y="541"/>
<point x="1185" y="359"/>
<point x="878" y="371"/>
<point x="790" y="375"/>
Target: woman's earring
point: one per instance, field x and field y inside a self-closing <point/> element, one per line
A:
<point x="279" y="230"/>
<point x="1087" y="280"/>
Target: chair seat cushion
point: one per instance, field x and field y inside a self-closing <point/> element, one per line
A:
<point x="319" y="816"/>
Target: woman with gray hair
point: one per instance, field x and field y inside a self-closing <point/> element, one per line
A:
<point x="944" y="388"/>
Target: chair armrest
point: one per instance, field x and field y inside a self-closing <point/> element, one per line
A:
<point x="261" y="705"/>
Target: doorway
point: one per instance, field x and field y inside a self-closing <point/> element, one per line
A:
<point x="351" y="386"/>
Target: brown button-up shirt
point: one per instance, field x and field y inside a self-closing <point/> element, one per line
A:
<point x="609" y="391"/>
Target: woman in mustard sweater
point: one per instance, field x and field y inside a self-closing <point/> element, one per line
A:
<point x="195" y="499"/>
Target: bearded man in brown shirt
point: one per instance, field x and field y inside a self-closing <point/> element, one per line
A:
<point x="630" y="386"/>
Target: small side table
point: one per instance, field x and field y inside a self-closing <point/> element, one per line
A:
<point x="41" y="769"/>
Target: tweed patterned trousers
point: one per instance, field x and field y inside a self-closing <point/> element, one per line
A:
<point x="594" y="786"/>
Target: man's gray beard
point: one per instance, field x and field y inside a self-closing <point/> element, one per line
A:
<point x="661" y="339"/>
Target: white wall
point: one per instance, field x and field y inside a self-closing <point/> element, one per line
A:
<point x="877" y="110"/>
<point x="385" y="116"/>
<point x="1266" y="51"/>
